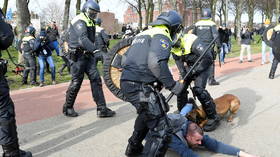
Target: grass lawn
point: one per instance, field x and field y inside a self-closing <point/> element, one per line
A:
<point x="15" y="80"/>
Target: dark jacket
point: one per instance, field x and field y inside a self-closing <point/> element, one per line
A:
<point x="52" y="34"/>
<point x="206" y="30"/>
<point x="246" y="37"/>
<point x="180" y="145"/>
<point x="82" y="33"/>
<point x="27" y="44"/>
<point x="102" y="39"/>
<point x="147" y="58"/>
<point x="224" y="35"/>
<point x="42" y="45"/>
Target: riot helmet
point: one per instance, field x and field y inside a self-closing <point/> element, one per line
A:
<point x="91" y="8"/>
<point x="31" y="30"/>
<point x="98" y="21"/>
<point x="206" y="13"/>
<point x="173" y="21"/>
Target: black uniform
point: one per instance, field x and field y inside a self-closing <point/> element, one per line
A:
<point x="275" y="49"/>
<point x="102" y="42"/>
<point x="146" y="63"/>
<point x="28" y="51"/>
<point x="81" y="48"/>
<point x="201" y="72"/>
<point x="206" y="30"/>
<point x="8" y="128"/>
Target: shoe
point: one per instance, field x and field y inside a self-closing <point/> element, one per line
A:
<point x="103" y="111"/>
<point x="271" y="76"/>
<point x="250" y="60"/>
<point x="41" y="84"/>
<point x="240" y="61"/>
<point x="213" y="83"/>
<point x="24" y="83"/>
<point x="212" y="124"/>
<point x="34" y="83"/>
<point x="20" y="153"/>
<point x="133" y="150"/>
<point x="53" y="83"/>
<point x="69" y="112"/>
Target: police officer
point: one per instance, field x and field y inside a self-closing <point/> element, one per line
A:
<point x="102" y="40"/>
<point x="146" y="63"/>
<point x="64" y="52"/>
<point x="206" y="30"/>
<point x="28" y="50"/>
<point x="275" y="38"/>
<point x="8" y="128"/>
<point x="81" y="48"/>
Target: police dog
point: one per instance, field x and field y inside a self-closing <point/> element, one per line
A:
<point x="224" y="104"/>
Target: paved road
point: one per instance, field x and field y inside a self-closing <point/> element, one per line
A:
<point x="46" y="132"/>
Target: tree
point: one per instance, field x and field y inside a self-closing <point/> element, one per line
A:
<point x="78" y="7"/>
<point x="66" y="14"/>
<point x="251" y="9"/>
<point x="23" y="16"/>
<point x="137" y="5"/>
<point x="4" y="9"/>
<point x="52" y="12"/>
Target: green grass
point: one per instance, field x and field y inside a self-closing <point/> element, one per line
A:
<point x="15" y="80"/>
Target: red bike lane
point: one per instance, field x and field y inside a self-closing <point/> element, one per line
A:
<point x="39" y="103"/>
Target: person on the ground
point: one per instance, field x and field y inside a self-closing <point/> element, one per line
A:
<point x="206" y="30"/>
<point x="224" y="34"/>
<point x="187" y="51"/>
<point x="146" y="64"/>
<point x="275" y="38"/>
<point x="189" y="135"/>
<point x="52" y="36"/>
<point x="64" y="52"/>
<point x="8" y="128"/>
<point x="81" y="50"/>
<point x="29" y="55"/>
<point x="102" y="41"/>
<point x="246" y="38"/>
<point x="44" y="53"/>
<point x="264" y="46"/>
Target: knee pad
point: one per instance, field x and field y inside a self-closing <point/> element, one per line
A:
<point x="202" y="94"/>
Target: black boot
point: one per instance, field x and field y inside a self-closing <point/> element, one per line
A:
<point x="12" y="150"/>
<point x="273" y="68"/>
<point x="103" y="111"/>
<point x="213" y="82"/>
<point x="213" y="119"/>
<point x="135" y="146"/>
<point x="69" y="111"/>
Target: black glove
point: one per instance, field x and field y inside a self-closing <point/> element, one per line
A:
<point x="177" y="88"/>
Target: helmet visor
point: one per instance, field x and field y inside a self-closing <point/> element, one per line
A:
<point x="92" y="14"/>
<point x="178" y="33"/>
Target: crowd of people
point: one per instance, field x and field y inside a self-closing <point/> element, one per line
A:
<point x="145" y="72"/>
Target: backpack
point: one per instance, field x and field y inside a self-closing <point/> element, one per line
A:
<point x="6" y="35"/>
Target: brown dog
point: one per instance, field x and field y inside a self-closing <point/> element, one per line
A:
<point x="224" y="104"/>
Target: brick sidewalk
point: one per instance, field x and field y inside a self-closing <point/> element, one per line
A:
<point x="43" y="102"/>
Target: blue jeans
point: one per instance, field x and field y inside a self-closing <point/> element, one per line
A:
<point x="264" y="46"/>
<point x="41" y="60"/>
<point x="55" y="46"/>
<point x="224" y="50"/>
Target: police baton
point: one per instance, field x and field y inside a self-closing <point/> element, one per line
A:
<point x="194" y="65"/>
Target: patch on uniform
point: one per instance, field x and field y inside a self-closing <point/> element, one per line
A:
<point x="164" y="43"/>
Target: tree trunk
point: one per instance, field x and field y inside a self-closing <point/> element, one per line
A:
<point x="213" y="4"/>
<point x="277" y="10"/>
<point x="160" y="6"/>
<point x="151" y="11"/>
<point x="78" y="7"/>
<point x="251" y="8"/>
<point x="140" y="14"/>
<point x="238" y="19"/>
<point x="23" y="16"/>
<point x="4" y="9"/>
<point x="66" y="14"/>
